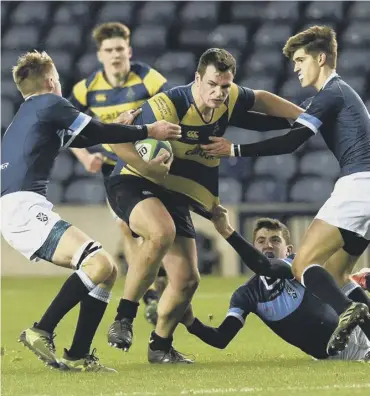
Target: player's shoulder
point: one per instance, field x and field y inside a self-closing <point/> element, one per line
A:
<point x="141" y="69"/>
<point x="88" y="82"/>
<point x="332" y="91"/>
<point x="181" y="97"/>
<point x="46" y="100"/>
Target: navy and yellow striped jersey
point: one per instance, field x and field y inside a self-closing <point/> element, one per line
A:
<point x="193" y="173"/>
<point x="96" y="95"/>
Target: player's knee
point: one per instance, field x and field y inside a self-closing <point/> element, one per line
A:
<point x="111" y="279"/>
<point x="162" y="238"/>
<point x="189" y="285"/>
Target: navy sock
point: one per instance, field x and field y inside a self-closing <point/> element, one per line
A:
<point x="319" y="282"/>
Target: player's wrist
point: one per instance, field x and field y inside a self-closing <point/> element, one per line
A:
<point x="227" y="232"/>
<point x="235" y="150"/>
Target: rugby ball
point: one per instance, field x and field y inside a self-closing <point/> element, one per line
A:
<point x="151" y="148"/>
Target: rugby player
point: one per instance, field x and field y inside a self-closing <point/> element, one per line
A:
<point x="340" y="232"/>
<point x="159" y="210"/>
<point x="44" y="124"/>
<point x="120" y="85"/>
<point x="284" y="305"/>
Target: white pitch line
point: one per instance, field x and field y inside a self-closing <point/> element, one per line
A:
<point x="272" y="389"/>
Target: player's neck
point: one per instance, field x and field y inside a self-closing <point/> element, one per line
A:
<point x="25" y="97"/>
<point x="323" y="78"/>
<point x="205" y="111"/>
<point x="116" y="80"/>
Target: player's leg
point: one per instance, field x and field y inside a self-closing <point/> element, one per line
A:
<point x="89" y="285"/>
<point x="183" y="278"/>
<point x="152" y="296"/>
<point x="320" y="242"/>
<point x="149" y="219"/>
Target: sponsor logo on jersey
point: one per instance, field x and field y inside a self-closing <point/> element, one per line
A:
<point x="197" y="150"/>
<point x="100" y="98"/>
<point x="192" y="135"/>
<point x="4" y="165"/>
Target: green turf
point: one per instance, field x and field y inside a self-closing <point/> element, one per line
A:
<point x="256" y="362"/>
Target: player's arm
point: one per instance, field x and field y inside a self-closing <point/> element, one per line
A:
<point x="77" y="129"/>
<point x="323" y="106"/>
<point x="218" y="337"/>
<point x="158" y="108"/>
<point x="273" y="105"/>
<point x="251" y="257"/>
<point x="241" y="304"/>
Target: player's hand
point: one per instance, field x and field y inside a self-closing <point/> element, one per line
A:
<point x="220" y="147"/>
<point x="220" y="220"/>
<point x="128" y="117"/>
<point x="93" y="162"/>
<point x="158" y="167"/>
<point x="164" y="130"/>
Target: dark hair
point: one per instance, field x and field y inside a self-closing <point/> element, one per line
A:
<point x="221" y="59"/>
<point x="314" y="40"/>
<point x="271" y="224"/>
<point x="110" y="30"/>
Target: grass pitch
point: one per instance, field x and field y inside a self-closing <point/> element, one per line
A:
<point x="257" y="362"/>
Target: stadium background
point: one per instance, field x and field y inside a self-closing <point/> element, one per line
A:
<point x="170" y="36"/>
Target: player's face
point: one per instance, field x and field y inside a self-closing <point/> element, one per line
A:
<point x="214" y="87"/>
<point x="115" y="54"/>
<point x="307" y="67"/>
<point x="272" y="243"/>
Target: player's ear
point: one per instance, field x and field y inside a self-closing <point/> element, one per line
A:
<point x="197" y="78"/>
<point x="98" y="55"/>
<point x="289" y="249"/>
<point x="130" y="52"/>
<point x="322" y="58"/>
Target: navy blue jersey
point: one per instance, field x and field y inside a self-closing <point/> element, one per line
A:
<point x="340" y="115"/>
<point x="42" y="126"/>
<point x="289" y="310"/>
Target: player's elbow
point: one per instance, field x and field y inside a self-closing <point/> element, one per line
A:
<point x="222" y="343"/>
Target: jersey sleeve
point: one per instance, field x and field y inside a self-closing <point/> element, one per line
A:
<point x="67" y="121"/>
<point x="159" y="107"/>
<point x="155" y="82"/>
<point x="242" y="303"/>
<point x="244" y="101"/>
<point x="79" y="96"/>
<point x="323" y="106"/>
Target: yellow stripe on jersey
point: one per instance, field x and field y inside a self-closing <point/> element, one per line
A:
<point x="182" y="185"/>
<point x="154" y="81"/>
<point x="80" y="92"/>
<point x="194" y="153"/>
<point x="163" y="108"/>
<point x="233" y="97"/>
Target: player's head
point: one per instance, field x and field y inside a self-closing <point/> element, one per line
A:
<point x="312" y="51"/>
<point x="214" y="75"/>
<point x="35" y="73"/>
<point x="113" y="44"/>
<point x="272" y="238"/>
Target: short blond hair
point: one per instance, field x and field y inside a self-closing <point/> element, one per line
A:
<point x="31" y="70"/>
<point x="314" y="40"/>
<point x="110" y="30"/>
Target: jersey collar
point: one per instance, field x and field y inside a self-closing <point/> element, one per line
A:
<point x="332" y="75"/>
